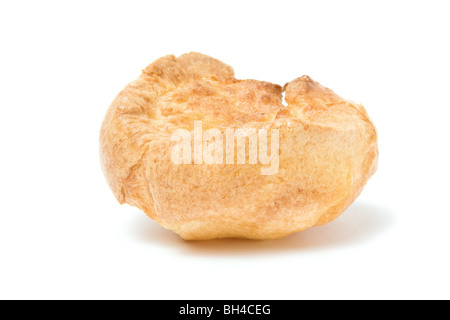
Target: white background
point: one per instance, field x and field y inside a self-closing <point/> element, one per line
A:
<point x="62" y="233"/>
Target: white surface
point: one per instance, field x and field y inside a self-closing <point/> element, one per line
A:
<point x="62" y="233"/>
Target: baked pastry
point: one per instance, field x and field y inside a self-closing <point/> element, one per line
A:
<point x="327" y="150"/>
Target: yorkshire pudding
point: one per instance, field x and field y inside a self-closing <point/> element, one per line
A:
<point x="327" y="150"/>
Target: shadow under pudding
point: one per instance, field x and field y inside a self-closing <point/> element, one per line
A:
<point x="361" y="222"/>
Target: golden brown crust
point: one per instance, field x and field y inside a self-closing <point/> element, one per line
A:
<point x="328" y="150"/>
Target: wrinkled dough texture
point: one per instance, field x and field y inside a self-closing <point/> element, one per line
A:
<point x="328" y="151"/>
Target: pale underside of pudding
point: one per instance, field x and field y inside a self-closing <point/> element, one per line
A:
<point x="327" y="151"/>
